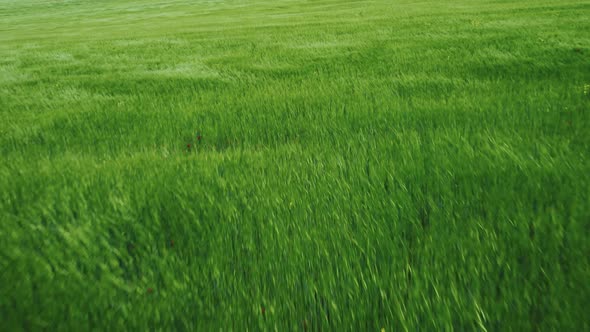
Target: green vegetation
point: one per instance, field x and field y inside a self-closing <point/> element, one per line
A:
<point x="362" y="165"/>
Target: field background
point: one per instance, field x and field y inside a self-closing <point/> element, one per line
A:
<point x="361" y="165"/>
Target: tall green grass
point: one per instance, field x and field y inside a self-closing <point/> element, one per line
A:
<point x="362" y="165"/>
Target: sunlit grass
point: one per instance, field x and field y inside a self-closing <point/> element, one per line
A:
<point x="294" y="165"/>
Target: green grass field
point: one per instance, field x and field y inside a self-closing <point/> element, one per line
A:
<point x="353" y="165"/>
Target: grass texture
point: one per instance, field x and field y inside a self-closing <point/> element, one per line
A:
<point x="295" y="165"/>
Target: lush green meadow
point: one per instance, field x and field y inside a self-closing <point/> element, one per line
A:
<point x="353" y="165"/>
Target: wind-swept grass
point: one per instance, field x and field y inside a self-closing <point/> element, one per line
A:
<point x="360" y="165"/>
